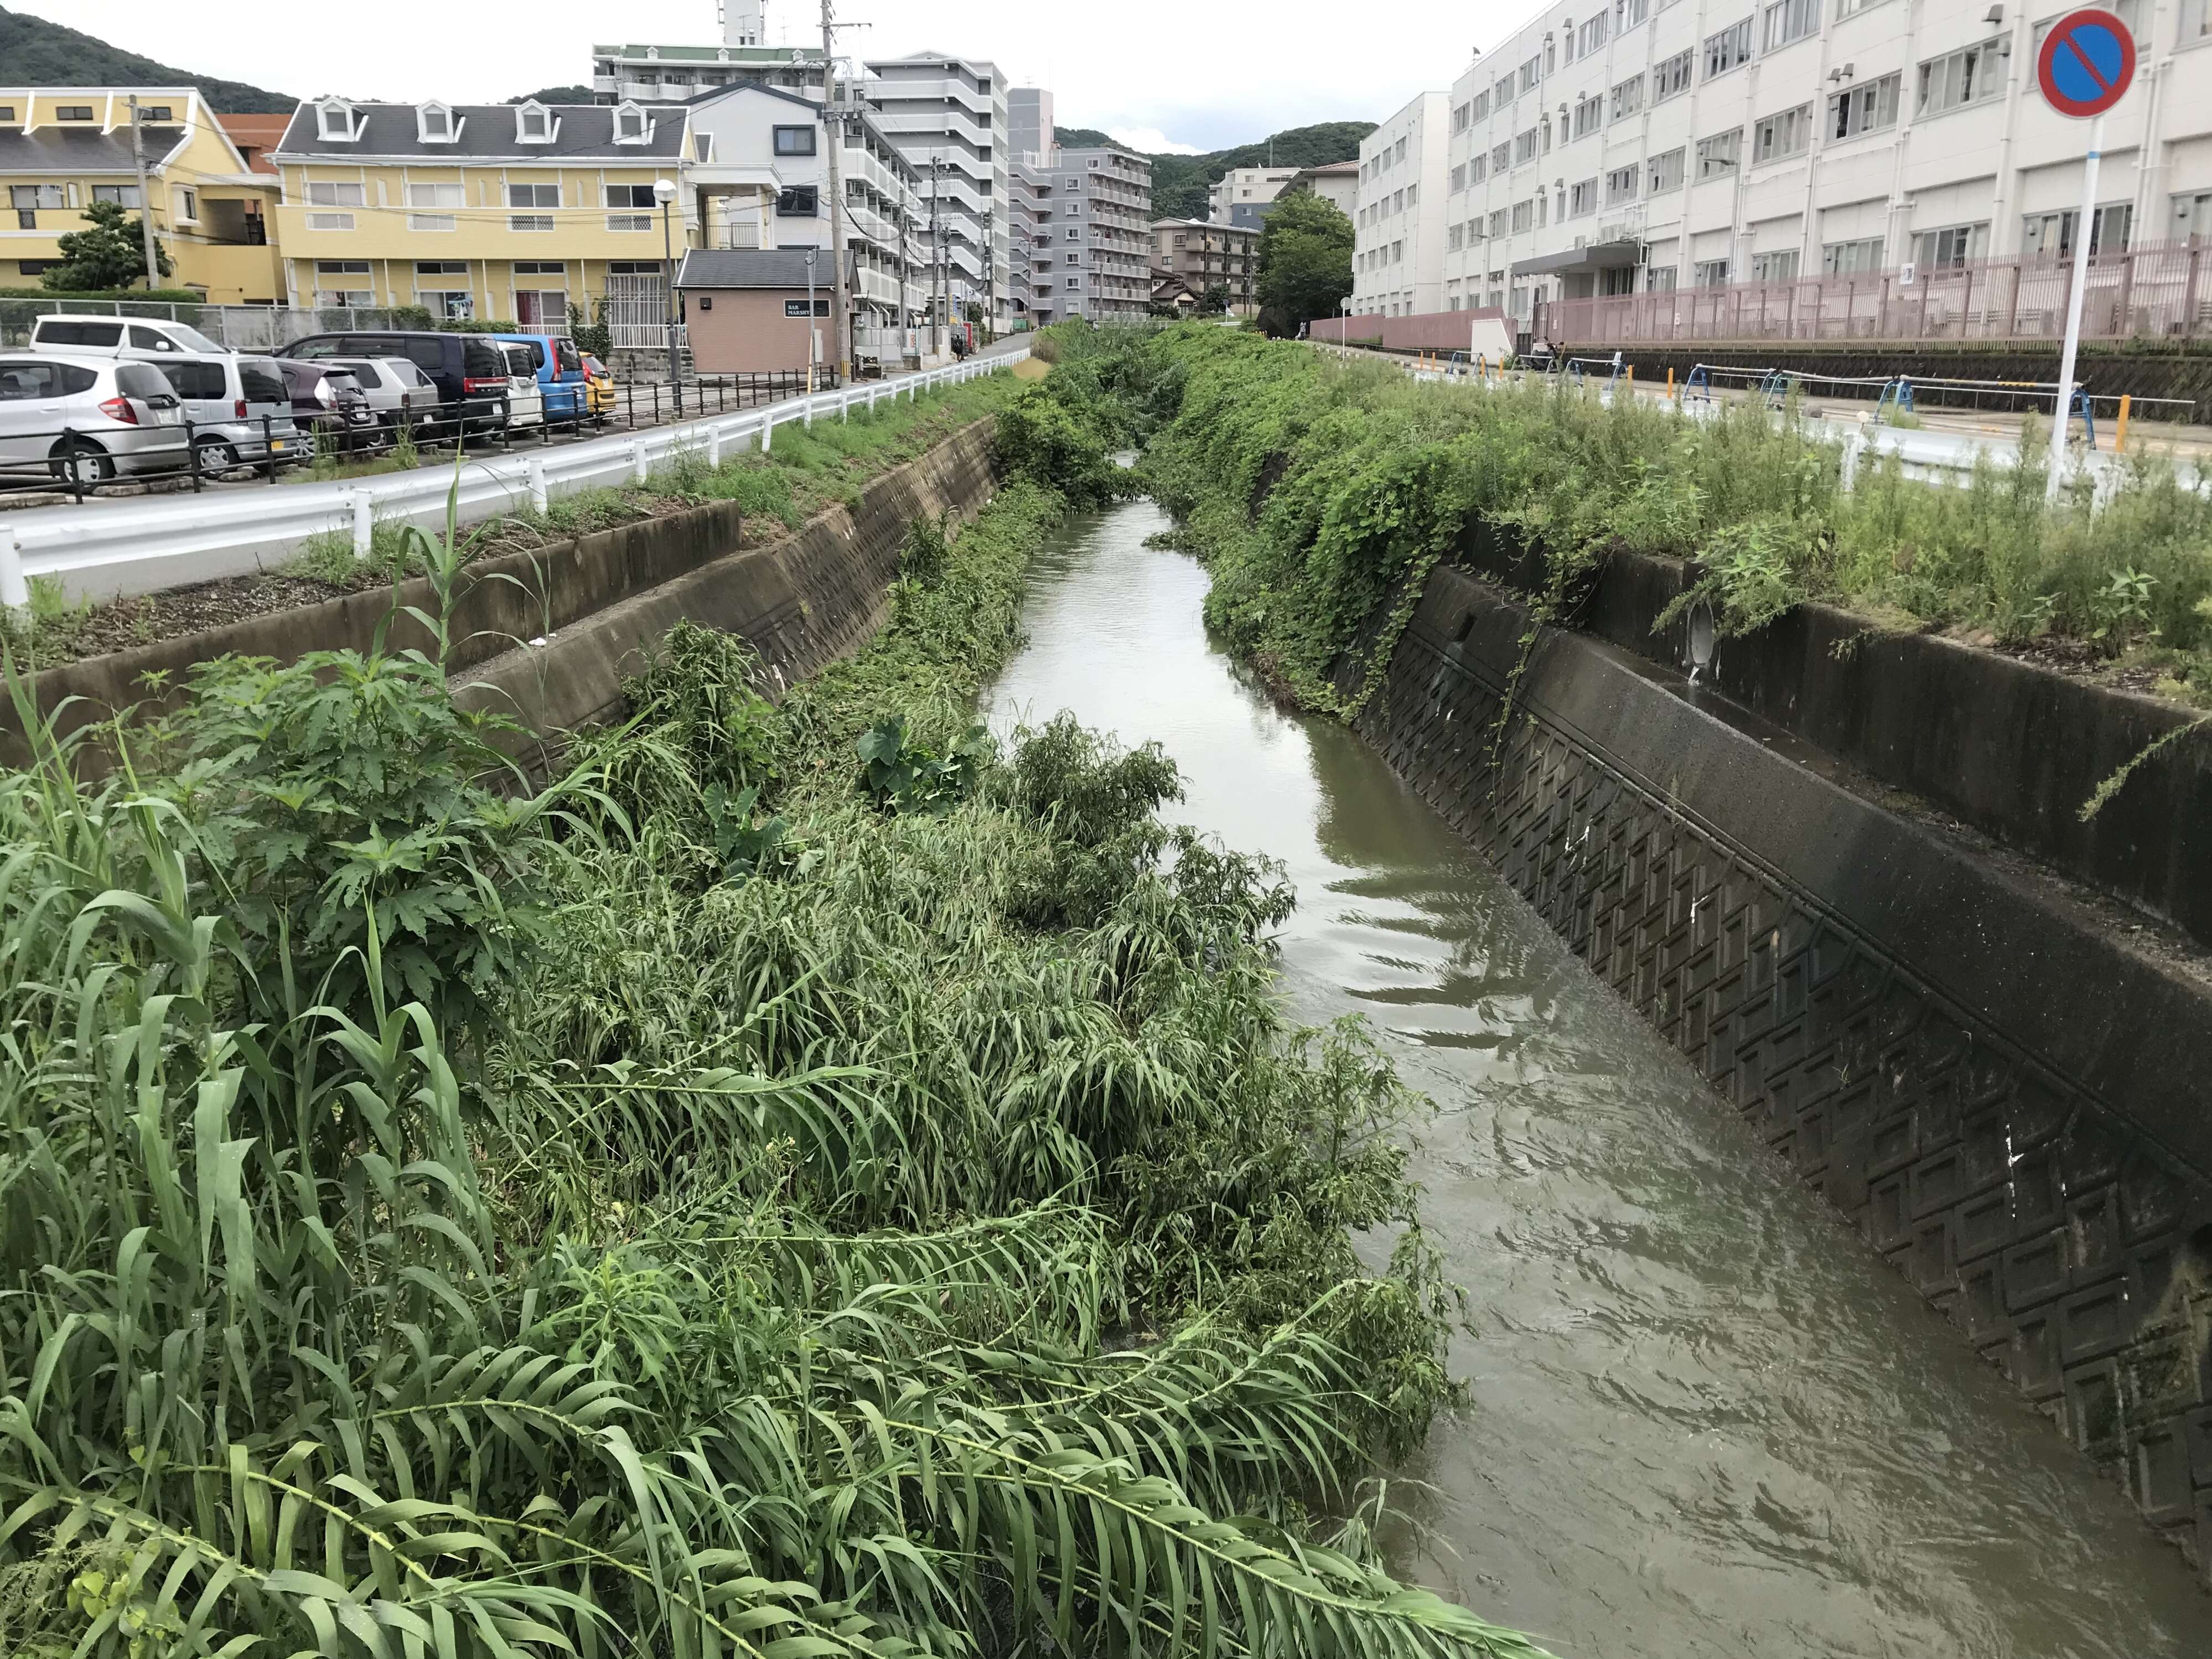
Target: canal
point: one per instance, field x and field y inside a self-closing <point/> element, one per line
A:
<point x="1704" y="1419"/>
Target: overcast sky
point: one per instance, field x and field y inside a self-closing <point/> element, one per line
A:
<point x="1199" y="74"/>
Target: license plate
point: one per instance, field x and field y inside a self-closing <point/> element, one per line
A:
<point x="278" y="443"/>
<point x="168" y="418"/>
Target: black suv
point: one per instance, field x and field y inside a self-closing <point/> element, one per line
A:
<point x="469" y="370"/>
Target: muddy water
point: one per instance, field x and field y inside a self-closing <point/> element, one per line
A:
<point x="1706" y="1419"/>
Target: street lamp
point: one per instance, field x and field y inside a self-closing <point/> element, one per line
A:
<point x="663" y="191"/>
<point x="813" y="340"/>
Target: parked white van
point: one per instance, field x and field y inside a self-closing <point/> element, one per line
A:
<point x="120" y="337"/>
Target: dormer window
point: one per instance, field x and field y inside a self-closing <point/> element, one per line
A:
<point x="434" y="124"/>
<point x="629" y="124"/>
<point x="334" y="120"/>
<point x="533" y="124"/>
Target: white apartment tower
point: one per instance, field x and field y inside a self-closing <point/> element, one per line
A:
<point x="1624" y="146"/>
<point x="948" y="117"/>
<point x="650" y="73"/>
<point x="1398" y="247"/>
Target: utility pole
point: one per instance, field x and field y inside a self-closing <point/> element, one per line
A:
<point x="834" y="126"/>
<point x="937" y="297"/>
<point x="145" y="199"/>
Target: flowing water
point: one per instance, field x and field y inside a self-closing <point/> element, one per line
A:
<point x="1704" y="1419"/>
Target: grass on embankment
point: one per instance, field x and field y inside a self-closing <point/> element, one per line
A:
<point x="1367" y="477"/>
<point x="808" y="469"/>
<point x="808" y="1183"/>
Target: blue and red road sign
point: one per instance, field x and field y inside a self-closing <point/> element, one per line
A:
<point x="2087" y="60"/>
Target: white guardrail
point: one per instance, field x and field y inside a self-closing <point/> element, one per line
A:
<point x="139" y="544"/>
<point x="1929" y="454"/>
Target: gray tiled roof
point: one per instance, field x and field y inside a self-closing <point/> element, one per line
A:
<point x="487" y="133"/>
<point x="747" y="267"/>
<point x="79" y="150"/>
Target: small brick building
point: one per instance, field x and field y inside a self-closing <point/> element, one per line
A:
<point x="745" y="309"/>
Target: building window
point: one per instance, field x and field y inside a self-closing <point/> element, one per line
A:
<point x="437" y="124"/>
<point x="799" y="202"/>
<point x="1663" y="173"/>
<point x="334" y="121"/>
<point x="1791" y="20"/>
<point x="1972" y="75"/>
<point x="1671" y="78"/>
<point x="1531" y="73"/>
<point x="629" y="124"/>
<point x="8" y="113"/>
<point x="1628" y="14"/>
<point x="1856" y="258"/>
<point x="433" y="195"/>
<point x="533" y="124"/>
<point x="794" y="141"/>
<point x="1589" y="114"/>
<point x="1454" y="239"/>
<point x="1501" y="158"/>
<point x="1525" y="146"/>
<point x="532" y="196"/>
<point x="1627" y="97"/>
<point x="327" y="193"/>
<point x="1955" y="244"/>
<point x="1777" y="267"/>
<point x="121" y="195"/>
<point x="188" y="206"/>
<point x="633" y="196"/>
<point x="1459" y="178"/>
<point x="1582" y="199"/>
<point x="1498" y="222"/>
<point x="1398" y="154"/>
<point x="1479" y="111"/>
<point x="73" y="112"/>
<point x="1502" y="94"/>
<point x="1660" y="279"/>
<point x="1720" y="155"/>
<point x="1524" y="215"/>
<point x="1785" y="134"/>
<point x="1476" y="169"/>
<point x="1729" y="49"/>
<point x="343" y="282"/>
<point x="155" y="113"/>
<point x="1591" y="35"/>
<point x="1460" y="117"/>
<point x="1711" y="273"/>
<point x="2048" y="234"/>
<point x="1620" y="185"/>
<point x="1864" y="109"/>
<point x="541" y="268"/>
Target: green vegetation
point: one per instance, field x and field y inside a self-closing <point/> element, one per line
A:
<point x="1305" y="262"/>
<point x="810" y="1182"/>
<point x="1317" y="489"/>
<point x="1180" y="182"/>
<point x="42" y="54"/>
<point x="107" y="255"/>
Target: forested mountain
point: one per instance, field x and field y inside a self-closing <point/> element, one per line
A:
<point x="37" y="53"/>
<point x="1180" y="182"/>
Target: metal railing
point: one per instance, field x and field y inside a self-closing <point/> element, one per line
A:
<point x="108" y="547"/>
<point x="2160" y="291"/>
<point x="77" y="461"/>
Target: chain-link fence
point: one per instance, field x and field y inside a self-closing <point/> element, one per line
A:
<point x="234" y="328"/>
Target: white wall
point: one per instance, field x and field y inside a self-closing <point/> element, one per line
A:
<point x="1398" y="246"/>
<point x="1989" y="163"/>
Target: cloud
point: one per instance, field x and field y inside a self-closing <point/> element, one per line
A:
<point x="1152" y="140"/>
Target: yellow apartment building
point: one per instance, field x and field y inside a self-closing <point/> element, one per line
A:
<point x="486" y="211"/>
<point x="62" y="149"/>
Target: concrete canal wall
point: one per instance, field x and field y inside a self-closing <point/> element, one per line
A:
<point x="1996" y="1081"/>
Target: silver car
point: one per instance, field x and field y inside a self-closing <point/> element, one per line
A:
<point x="398" y="393"/>
<point x="86" y="419"/>
<point x="237" y="410"/>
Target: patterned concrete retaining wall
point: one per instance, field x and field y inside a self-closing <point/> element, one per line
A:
<point x="1903" y="1021"/>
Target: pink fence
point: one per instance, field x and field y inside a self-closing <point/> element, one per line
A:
<point x="2160" y="291"/>
<point x="1432" y="330"/>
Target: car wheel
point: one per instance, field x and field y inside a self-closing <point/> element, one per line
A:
<point x="217" y="456"/>
<point x="79" y="460"/>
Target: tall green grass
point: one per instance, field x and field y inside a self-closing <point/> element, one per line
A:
<point x="1315" y="488"/>
<point x="705" y="1207"/>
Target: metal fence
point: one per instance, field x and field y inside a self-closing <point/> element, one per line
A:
<point x="2157" y="292"/>
<point x="235" y="328"/>
<point x="108" y="547"/>
<point x="81" y="462"/>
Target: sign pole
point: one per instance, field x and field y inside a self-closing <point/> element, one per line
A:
<point x="2055" y="478"/>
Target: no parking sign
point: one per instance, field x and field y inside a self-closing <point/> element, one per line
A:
<point x="2084" y="67"/>
<point x="2087" y="60"/>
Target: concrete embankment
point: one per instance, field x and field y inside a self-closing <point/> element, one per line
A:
<point x="1990" y="1072"/>
<point x="548" y="634"/>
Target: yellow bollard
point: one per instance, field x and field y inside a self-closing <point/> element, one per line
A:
<point x="1631" y="377"/>
<point x="2120" y="437"/>
<point x="1670" y="381"/>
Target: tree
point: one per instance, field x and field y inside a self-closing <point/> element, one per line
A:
<point x="108" y="254"/>
<point x="1305" y="262"/>
<point x="1214" y="301"/>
